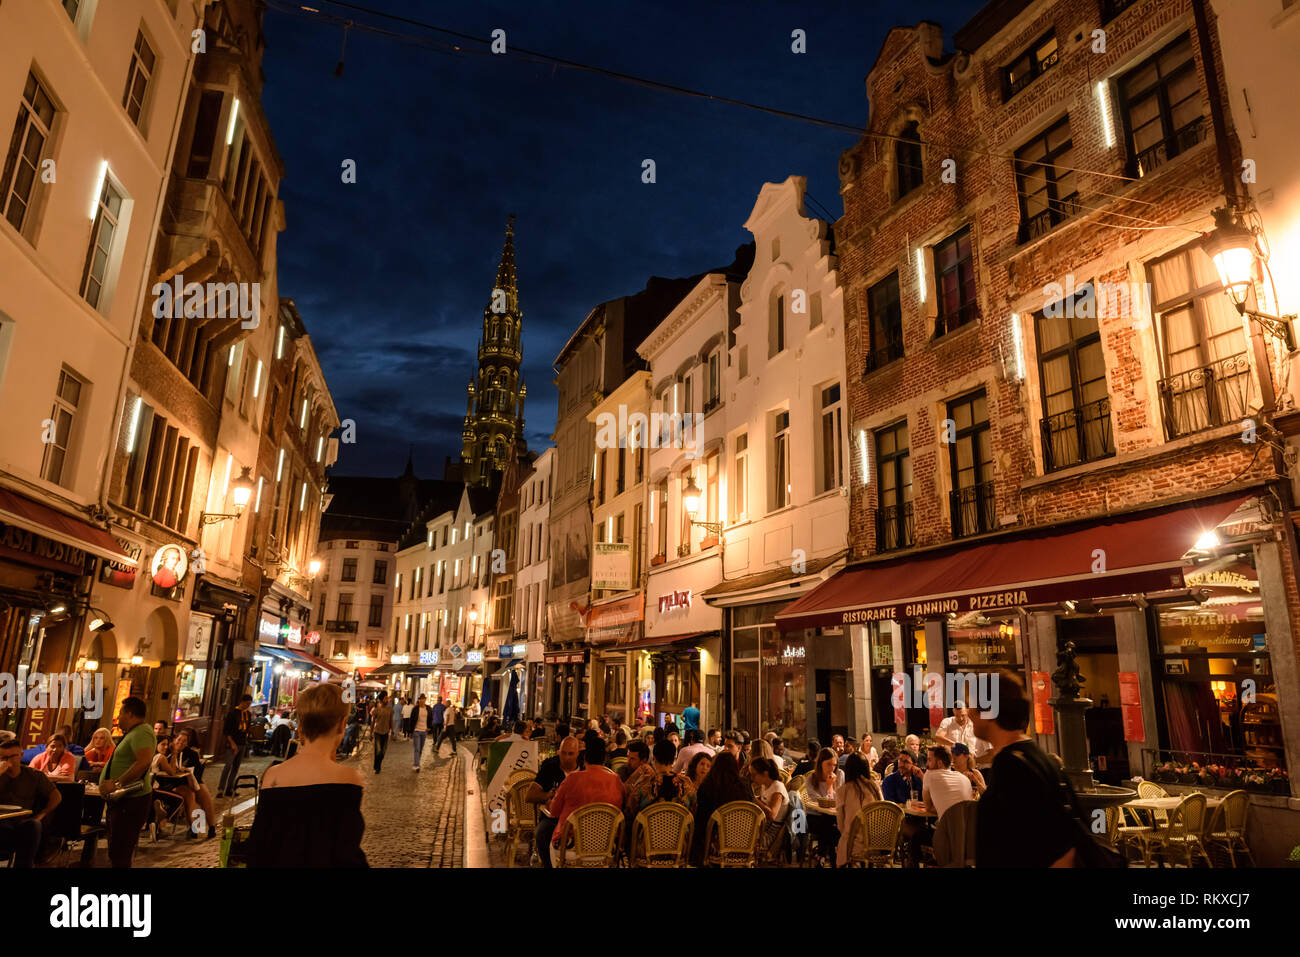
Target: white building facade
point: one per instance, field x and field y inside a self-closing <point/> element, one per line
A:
<point x="531" y="554"/>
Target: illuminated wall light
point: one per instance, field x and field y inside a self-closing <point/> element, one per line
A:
<point x="230" y="356"/>
<point x="279" y="344"/>
<point x="99" y="189"/>
<point x="279" y="466"/>
<point x="257" y="379"/>
<point x="230" y="127"/>
<point x="1018" y="338"/>
<point x="302" y="499"/>
<point x="257" y="505"/>
<point x="133" y="430"/>
<point x="320" y="446"/>
<point x="1103" y="98"/>
<point x="864" y="448"/>
<point x="302" y="419"/>
<point x="920" y="272"/>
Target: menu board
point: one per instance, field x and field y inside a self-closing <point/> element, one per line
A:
<point x="1130" y="705"/>
<point x="1044" y="717"/>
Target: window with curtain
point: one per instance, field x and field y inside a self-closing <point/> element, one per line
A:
<point x="1075" y="426"/>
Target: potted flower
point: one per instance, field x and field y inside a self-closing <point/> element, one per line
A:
<point x="1166" y="773"/>
<point x="1279" y="781"/>
<point x="1190" y="775"/>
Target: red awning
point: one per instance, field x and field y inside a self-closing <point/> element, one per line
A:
<point x="691" y="638"/>
<point x="1122" y="555"/>
<point x="321" y="663"/>
<point x="30" y="515"/>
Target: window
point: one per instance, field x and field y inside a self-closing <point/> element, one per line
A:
<point x="1049" y="193"/>
<point x="415" y="583"/>
<point x="814" y="310"/>
<point x="713" y="386"/>
<point x="95" y="274"/>
<point x="26" y="151"/>
<point x="599" y="477"/>
<point x="351" y="543"/>
<point x="71" y="7"/>
<point x="345" y="608"/>
<point x="662" y="509"/>
<point x="830" y="446"/>
<point x="688" y="394"/>
<point x="376" y="611"/>
<point x="349" y="570"/>
<point x="779" y="496"/>
<point x="202" y="147"/>
<point x="62" y="417"/>
<point x="636" y="545"/>
<point x="955" y="282"/>
<point x="894" y="519"/>
<point x="776" y="325"/>
<point x="740" y="486"/>
<point x="1207" y="379"/>
<point x="971" y="458"/>
<point x="684" y="543"/>
<point x="1160" y="102"/>
<point x="1034" y="62"/>
<point x="620" y="479"/>
<point x="340" y="648"/>
<point x="886" y="317"/>
<point x="372" y="649"/>
<point x="137" y="78"/>
<point x="1075" y="426"/>
<point x="380" y="576"/>
<point x="907" y="157"/>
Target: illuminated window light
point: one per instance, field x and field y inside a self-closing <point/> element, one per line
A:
<point x="133" y="430"/>
<point x="230" y="127"/>
<point x="1018" y="339"/>
<point x="99" y="189"/>
<point x="1103" y="98"/>
<point x="920" y="272"/>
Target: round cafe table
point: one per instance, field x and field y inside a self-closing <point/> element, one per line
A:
<point x="919" y="810"/>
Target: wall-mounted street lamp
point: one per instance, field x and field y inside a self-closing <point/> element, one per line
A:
<point x="241" y="491"/>
<point x="313" y="568"/>
<point x="1234" y="248"/>
<point x="691" y="503"/>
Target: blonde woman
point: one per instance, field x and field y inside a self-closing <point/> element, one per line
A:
<point x="99" y="750"/>
<point x="309" y="807"/>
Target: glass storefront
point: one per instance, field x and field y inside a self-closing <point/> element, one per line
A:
<point x="1217" y="688"/>
<point x="189" y="695"/>
<point x="785" y="688"/>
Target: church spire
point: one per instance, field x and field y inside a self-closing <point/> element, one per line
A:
<point x="493" y="420"/>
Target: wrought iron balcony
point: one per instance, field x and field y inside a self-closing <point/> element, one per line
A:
<point x="1076" y="436"/>
<point x="972" y="509"/>
<point x="895" y="527"/>
<point x="1057" y="211"/>
<point x="963" y="314"/>
<point x="344" y="627"/>
<point x="883" y="353"/>
<point x="1166" y="149"/>
<point x="1204" y="398"/>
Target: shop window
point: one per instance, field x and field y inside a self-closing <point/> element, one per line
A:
<point x="1217" y="691"/>
<point x="189" y="697"/>
<point x="784" y="688"/>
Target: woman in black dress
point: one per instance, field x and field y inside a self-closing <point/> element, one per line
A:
<point x="309" y="807"/>
<point x="722" y="786"/>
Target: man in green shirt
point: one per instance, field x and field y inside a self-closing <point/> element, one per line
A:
<point x="125" y="783"/>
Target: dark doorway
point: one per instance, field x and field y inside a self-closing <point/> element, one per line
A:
<point x="832" y="689"/>
<point x="1098" y="658"/>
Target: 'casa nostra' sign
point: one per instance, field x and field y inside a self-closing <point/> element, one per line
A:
<point x="674" y="600"/>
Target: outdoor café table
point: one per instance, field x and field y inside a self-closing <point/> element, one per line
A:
<point x="1167" y="803"/>
<point x="813" y="807"/>
<point x="919" y="810"/>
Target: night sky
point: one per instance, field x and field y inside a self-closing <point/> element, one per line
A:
<point x="392" y="273"/>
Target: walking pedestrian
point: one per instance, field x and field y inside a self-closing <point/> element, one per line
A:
<point x="407" y="718"/>
<point x="381" y="725"/>
<point x="125" y="783"/>
<point x="421" y="721"/>
<point x="236" y="732"/>
<point x="449" y="718"/>
<point x="309" y="807"/>
<point x="435" y="730"/>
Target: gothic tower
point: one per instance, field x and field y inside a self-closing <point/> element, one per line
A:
<point x="494" y="415"/>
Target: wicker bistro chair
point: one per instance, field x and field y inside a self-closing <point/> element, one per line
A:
<point x="523" y="774"/>
<point x="617" y="764"/>
<point x="954" y="836"/>
<point x="734" y="832"/>
<point x="1226" y="831"/>
<point x="592" y="837"/>
<point x="873" y="835"/>
<point x="1149" y="789"/>
<point x="661" y="835"/>
<point x="521" y="819"/>
<point x="1182" y="835"/>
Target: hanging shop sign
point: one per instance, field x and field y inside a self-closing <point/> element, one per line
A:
<point x="169" y="566"/>
<point x="474" y="657"/>
<point x="611" y="566"/>
<point x="615" y="621"/>
<point x="268" y="630"/>
<point x="426" y="657"/>
<point x="199" y="639"/>
<point x="120" y="574"/>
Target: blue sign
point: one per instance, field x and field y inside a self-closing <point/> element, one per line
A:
<point x="429" y="657"/>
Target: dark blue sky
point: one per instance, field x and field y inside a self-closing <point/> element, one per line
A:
<point x="392" y="274"/>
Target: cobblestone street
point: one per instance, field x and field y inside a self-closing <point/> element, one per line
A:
<point x="412" y="819"/>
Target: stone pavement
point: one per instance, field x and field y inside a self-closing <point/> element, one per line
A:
<point x="412" y="819"/>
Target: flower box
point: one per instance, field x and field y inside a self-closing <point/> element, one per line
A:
<point x="658" y="559"/>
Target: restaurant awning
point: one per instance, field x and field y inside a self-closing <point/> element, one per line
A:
<point x="689" y="638"/>
<point x="320" y="663"/>
<point x="468" y="669"/>
<point x="389" y="669"/>
<point x="1113" y="555"/>
<point x="32" y="516"/>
